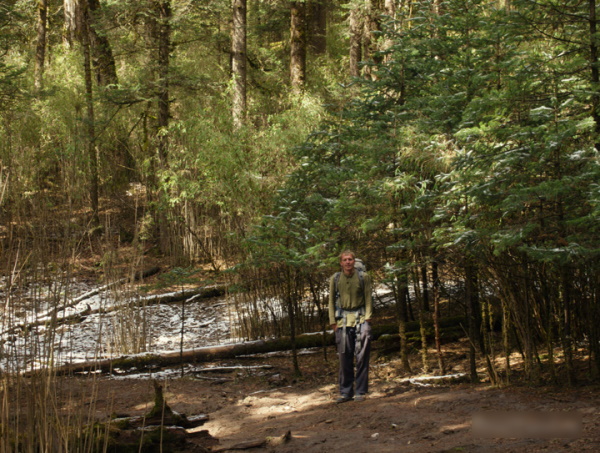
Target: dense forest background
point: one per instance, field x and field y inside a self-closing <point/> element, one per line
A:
<point x="452" y="144"/>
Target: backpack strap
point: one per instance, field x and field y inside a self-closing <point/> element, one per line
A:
<point x="361" y="282"/>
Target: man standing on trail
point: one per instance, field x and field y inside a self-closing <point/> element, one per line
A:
<point x="350" y="309"/>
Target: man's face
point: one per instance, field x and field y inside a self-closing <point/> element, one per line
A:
<point x="347" y="263"/>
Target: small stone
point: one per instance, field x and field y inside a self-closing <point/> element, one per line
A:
<point x="394" y="426"/>
<point x="375" y="436"/>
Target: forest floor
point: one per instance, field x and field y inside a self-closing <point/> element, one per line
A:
<point x="257" y="405"/>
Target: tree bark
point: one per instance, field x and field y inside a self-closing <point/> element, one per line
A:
<point x="291" y="308"/>
<point x="436" y="314"/>
<point x="163" y="10"/>
<point x="401" y="306"/>
<point x="298" y="46"/>
<point x="91" y="128"/>
<point x="161" y="29"/>
<point x="594" y="66"/>
<point x="425" y="286"/>
<point x="355" y="42"/>
<point x="474" y="316"/>
<point x="371" y="42"/>
<point x="390" y="8"/>
<point x="102" y="56"/>
<point x="40" y="47"/>
<point x="567" y="322"/>
<point x="506" y="324"/>
<point x="317" y="13"/>
<point x="238" y="62"/>
<point x="77" y="23"/>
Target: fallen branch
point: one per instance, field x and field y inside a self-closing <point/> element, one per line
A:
<point x="430" y="381"/>
<point x="214" y="380"/>
<point x="220" y="369"/>
<point x="244" y="445"/>
<point x="258" y="443"/>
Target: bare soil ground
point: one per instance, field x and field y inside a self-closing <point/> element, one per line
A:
<point x="248" y="405"/>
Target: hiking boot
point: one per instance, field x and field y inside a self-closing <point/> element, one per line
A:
<point x="360" y="398"/>
<point x="343" y="399"/>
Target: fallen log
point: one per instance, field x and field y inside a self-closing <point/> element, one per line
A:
<point x="209" y="353"/>
<point x="140" y="275"/>
<point x="188" y="295"/>
<point x="51" y="318"/>
<point x="387" y="334"/>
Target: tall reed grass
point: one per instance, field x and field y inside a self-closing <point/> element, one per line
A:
<point x="41" y="411"/>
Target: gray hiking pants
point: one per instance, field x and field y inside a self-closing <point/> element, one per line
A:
<point x="362" y="351"/>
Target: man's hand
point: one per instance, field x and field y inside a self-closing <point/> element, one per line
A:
<point x="334" y="327"/>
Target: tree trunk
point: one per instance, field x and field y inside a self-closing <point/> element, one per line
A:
<point x="78" y="27"/>
<point x="390" y="11"/>
<point x="506" y="322"/>
<point x="238" y="62"/>
<point x="163" y="9"/>
<point x="423" y="332"/>
<point x="595" y="76"/>
<point x="291" y="297"/>
<point x="436" y="315"/>
<point x="102" y="56"/>
<point x="40" y="47"/>
<point x="91" y="131"/>
<point x="372" y="44"/>
<point x="298" y="46"/>
<point x="390" y="8"/>
<point x="322" y="310"/>
<point x="401" y="306"/>
<point x="317" y="13"/>
<point x="425" y="285"/>
<point x="549" y="324"/>
<point x="592" y="324"/>
<point x="355" y="42"/>
<point x="567" y="323"/>
<point x="72" y="19"/>
<point x="474" y="316"/>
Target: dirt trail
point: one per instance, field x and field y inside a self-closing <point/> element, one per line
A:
<point x="258" y="405"/>
<point x="396" y="419"/>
